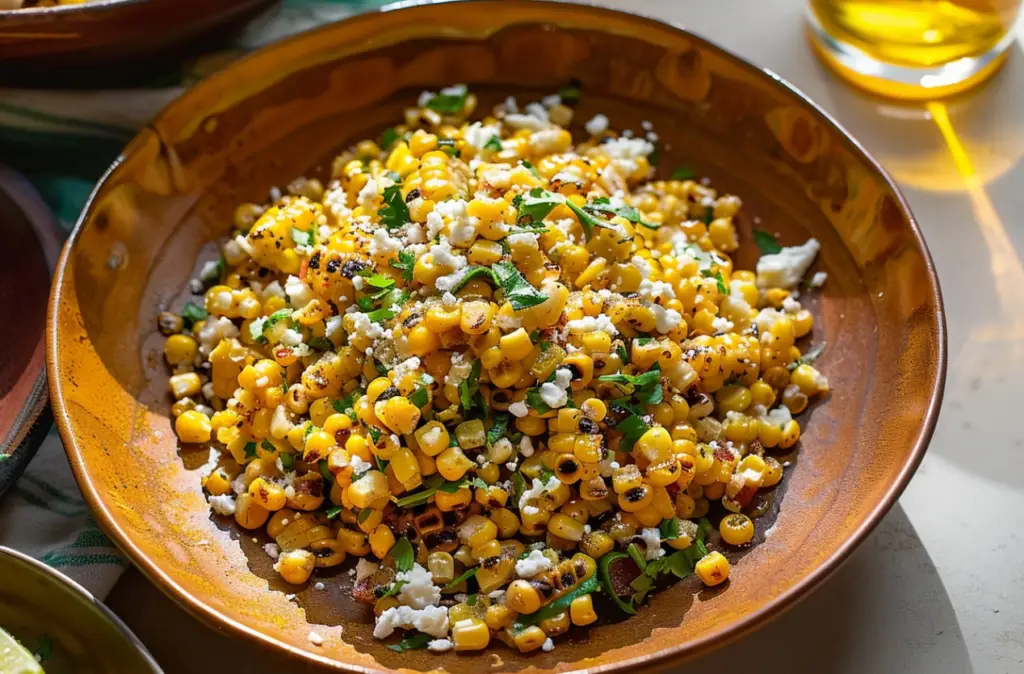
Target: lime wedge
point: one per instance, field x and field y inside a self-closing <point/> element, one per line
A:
<point x="14" y="658"/>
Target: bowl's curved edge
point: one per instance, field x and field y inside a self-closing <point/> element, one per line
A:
<point x="74" y="587"/>
<point x="698" y="646"/>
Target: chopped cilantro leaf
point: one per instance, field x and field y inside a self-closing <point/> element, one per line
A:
<point x="405" y="263"/>
<point x="493" y="144"/>
<point x="192" y="313"/>
<point x="518" y="291"/>
<point x="448" y="103"/>
<point x="303" y="238"/>
<point x="683" y="173"/>
<point x="766" y="242"/>
<point x="414" y="642"/>
<point x="394" y="213"/>
<point x="812" y="355"/>
<point x="534" y="400"/>
<point x="388" y="138"/>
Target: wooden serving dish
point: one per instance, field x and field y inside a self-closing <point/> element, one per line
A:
<point x="287" y="109"/>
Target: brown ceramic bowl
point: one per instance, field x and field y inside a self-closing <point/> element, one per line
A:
<point x="287" y="109"/>
<point x="52" y="615"/>
<point x="112" y="42"/>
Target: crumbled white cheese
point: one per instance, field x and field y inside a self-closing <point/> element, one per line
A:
<point x="442" y="255"/>
<point x="440" y="645"/>
<point x="652" y="543"/>
<point x="766" y="319"/>
<point x="592" y="324"/>
<point x="211" y="463"/>
<point x="642" y="266"/>
<point x="359" y="467"/>
<point x="535" y="118"/>
<point x="215" y="330"/>
<point x="433" y="436"/>
<point x="818" y="279"/>
<point x="383" y="244"/>
<point x="419" y="590"/>
<point x="525" y="445"/>
<point x="665" y="319"/>
<point x="297" y="291"/>
<point x="364" y="568"/>
<point x="625" y="151"/>
<point x="721" y="324"/>
<point x="548" y="645"/>
<point x="222" y="505"/>
<point x="528" y="239"/>
<point x="432" y="620"/>
<point x="369" y="192"/>
<point x="331" y="326"/>
<point x="535" y="563"/>
<point x="545" y="141"/>
<point x="779" y="416"/>
<point x="519" y="409"/>
<point x="460" y="370"/>
<point x="405" y="368"/>
<point x="790" y="305"/>
<point x="785" y="268"/>
<point x="449" y="300"/>
<point x="655" y="290"/>
<point x="291" y="337"/>
<point x="364" y="327"/>
<point x="478" y="135"/>
<point x="537" y="488"/>
<point x="552" y="395"/>
<point x="598" y="124"/>
<point x="551" y="100"/>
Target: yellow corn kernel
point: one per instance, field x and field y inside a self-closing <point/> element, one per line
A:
<point x="369" y="490"/>
<point x="248" y="513"/>
<point x="506" y="522"/>
<point x="484" y="253"/>
<point x="398" y="414"/>
<point x="267" y="494"/>
<point x="516" y="345"/>
<point x="295" y="566"/>
<point x="184" y="385"/>
<point x="477" y="530"/>
<point x="654" y="445"/>
<point x="354" y="542"/>
<point x="594" y="409"/>
<point x="470" y="635"/>
<point x="453" y="464"/>
<point x="581" y="611"/>
<point x="499" y="616"/>
<point x="433" y="438"/>
<point x="713" y="569"/>
<point x="193" y="427"/>
<point x="522" y="597"/>
<point x="441" y="318"/>
<point x="381" y="541"/>
<point x="596" y="544"/>
<point x="454" y="501"/>
<point x="566" y="527"/>
<point x="180" y="349"/>
<point x="529" y="639"/>
<point x="476" y="317"/>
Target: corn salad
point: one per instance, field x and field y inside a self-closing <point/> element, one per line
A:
<point x="500" y="366"/>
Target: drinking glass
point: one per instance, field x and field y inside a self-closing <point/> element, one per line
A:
<point x="916" y="49"/>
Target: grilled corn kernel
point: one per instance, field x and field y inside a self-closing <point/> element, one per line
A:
<point x="713" y="569"/>
<point x="295" y="566"/>
<point x="581" y="611"/>
<point x="193" y="426"/>
<point x="470" y="635"/>
<point x="522" y="597"/>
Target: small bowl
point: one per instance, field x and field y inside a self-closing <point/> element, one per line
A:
<point x="285" y="110"/>
<point x="112" y="42"/>
<point x="32" y="240"/>
<point x="48" y="612"/>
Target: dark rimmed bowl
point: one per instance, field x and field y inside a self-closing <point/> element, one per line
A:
<point x="51" y="613"/>
<point x="31" y="244"/>
<point x="287" y="109"/>
<point x="112" y="42"/>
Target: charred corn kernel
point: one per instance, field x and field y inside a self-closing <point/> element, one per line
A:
<point x="398" y="414"/>
<point x="662" y="473"/>
<point x="568" y="468"/>
<point x="370" y="489"/>
<point x="471" y="434"/>
<point x="499" y="616"/>
<point x="556" y="624"/>
<point x="566" y="527"/>
<point x="248" y="513"/>
<point x="790" y="434"/>
<point x="381" y="541"/>
<point x="772" y="472"/>
<point x="477" y="530"/>
<point x="636" y="498"/>
<point x="442" y="567"/>
<point x="581" y="611"/>
<point x="736" y="529"/>
<point x="453" y="464"/>
<point x="476" y="317"/>
<point x="353" y="542"/>
<point x="516" y="345"/>
<point x="193" y="426"/>
<point x="179" y="349"/>
<point x="654" y="445"/>
<point x="506" y="522"/>
<point x="594" y="409"/>
<point x="317" y="445"/>
<point x="490" y="549"/>
<point x="596" y="544"/>
<point x="625" y="478"/>
<point x="713" y="569"/>
<point x="810" y="381"/>
<point x="529" y="639"/>
<point x="522" y="597"/>
<point x="267" y="494"/>
<point x="295" y="566"/>
<point x="218" y="482"/>
<point x="328" y="552"/>
<point x="432" y="438"/>
<point x="470" y="635"/>
<point x="588" y="448"/>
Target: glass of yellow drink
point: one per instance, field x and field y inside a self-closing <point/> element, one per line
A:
<point x="915" y="49"/>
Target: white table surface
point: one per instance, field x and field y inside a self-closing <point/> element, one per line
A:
<point x="938" y="588"/>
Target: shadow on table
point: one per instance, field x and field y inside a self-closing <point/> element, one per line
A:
<point x="885" y="612"/>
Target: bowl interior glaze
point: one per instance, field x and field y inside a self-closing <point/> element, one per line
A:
<point x="286" y="110"/>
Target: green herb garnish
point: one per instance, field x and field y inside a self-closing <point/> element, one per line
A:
<point x="394" y="213"/>
<point x="303" y="238"/>
<point x="420" y="397"/>
<point x="469" y="386"/>
<point x="250" y="450"/>
<point x="603" y="206"/>
<point x="388" y="138"/>
<point x="405" y="263"/>
<point x="192" y="313"/>
<point x="518" y="291"/>
<point x="812" y="355"/>
<point x="493" y="144"/>
<point x="461" y="579"/>
<point x="555" y="607"/>
<point x="333" y="512"/>
<point x="448" y="103"/>
<point x="632" y="427"/>
<point x="412" y="643"/>
<point x="497" y="431"/>
<point x="683" y="173"/>
<point x="403" y="554"/>
<point x="766" y="242"/>
<point x="646" y="387"/>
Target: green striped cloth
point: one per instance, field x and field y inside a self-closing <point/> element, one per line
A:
<point x="63" y="153"/>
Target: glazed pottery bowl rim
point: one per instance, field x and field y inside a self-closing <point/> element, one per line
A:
<point x="72" y="585"/>
<point x="83" y="8"/>
<point x="700" y="644"/>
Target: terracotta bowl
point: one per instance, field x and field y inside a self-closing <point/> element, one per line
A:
<point x="53" y="616"/>
<point x="111" y="42"/>
<point x="286" y="110"/>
